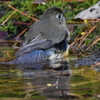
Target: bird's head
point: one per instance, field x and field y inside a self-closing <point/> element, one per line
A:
<point x="54" y="15"/>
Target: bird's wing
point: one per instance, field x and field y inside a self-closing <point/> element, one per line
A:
<point x="43" y="41"/>
<point x="37" y="43"/>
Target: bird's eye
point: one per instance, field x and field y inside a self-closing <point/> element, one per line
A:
<point x="59" y="16"/>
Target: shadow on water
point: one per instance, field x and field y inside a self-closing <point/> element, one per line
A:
<point x="76" y="83"/>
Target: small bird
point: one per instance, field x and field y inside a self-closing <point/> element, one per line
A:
<point x="45" y="42"/>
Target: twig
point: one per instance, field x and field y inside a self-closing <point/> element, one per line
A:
<point x="90" y="53"/>
<point x="95" y="41"/>
<point x="21" y="33"/>
<point x="8" y="18"/>
<point x="23" y="30"/>
<point x="89" y="20"/>
<point x="21" y="23"/>
<point x="5" y="1"/>
<point x="34" y="19"/>
<point x="88" y="34"/>
<point x="74" y="41"/>
<point x="98" y="39"/>
<point x="78" y="47"/>
<point x="10" y="41"/>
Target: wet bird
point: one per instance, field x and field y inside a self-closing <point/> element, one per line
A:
<point x="46" y="41"/>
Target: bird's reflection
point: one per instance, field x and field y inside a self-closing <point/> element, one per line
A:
<point x="50" y="82"/>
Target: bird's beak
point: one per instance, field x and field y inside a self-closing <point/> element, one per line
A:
<point x="64" y="11"/>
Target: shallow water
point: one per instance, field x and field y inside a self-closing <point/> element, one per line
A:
<point x="83" y="83"/>
<point x="77" y="83"/>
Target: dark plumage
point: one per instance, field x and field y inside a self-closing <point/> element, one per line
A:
<point x="45" y="42"/>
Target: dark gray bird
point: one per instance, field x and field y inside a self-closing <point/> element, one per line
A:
<point x="45" y="42"/>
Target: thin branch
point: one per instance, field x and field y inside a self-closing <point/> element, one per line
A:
<point x="34" y="19"/>
<point x="5" y="1"/>
<point x="76" y="39"/>
<point x="8" y="18"/>
<point x="88" y="34"/>
<point x="24" y="30"/>
<point x="10" y="41"/>
<point x="89" y="21"/>
<point x="95" y="41"/>
<point x="21" y="33"/>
